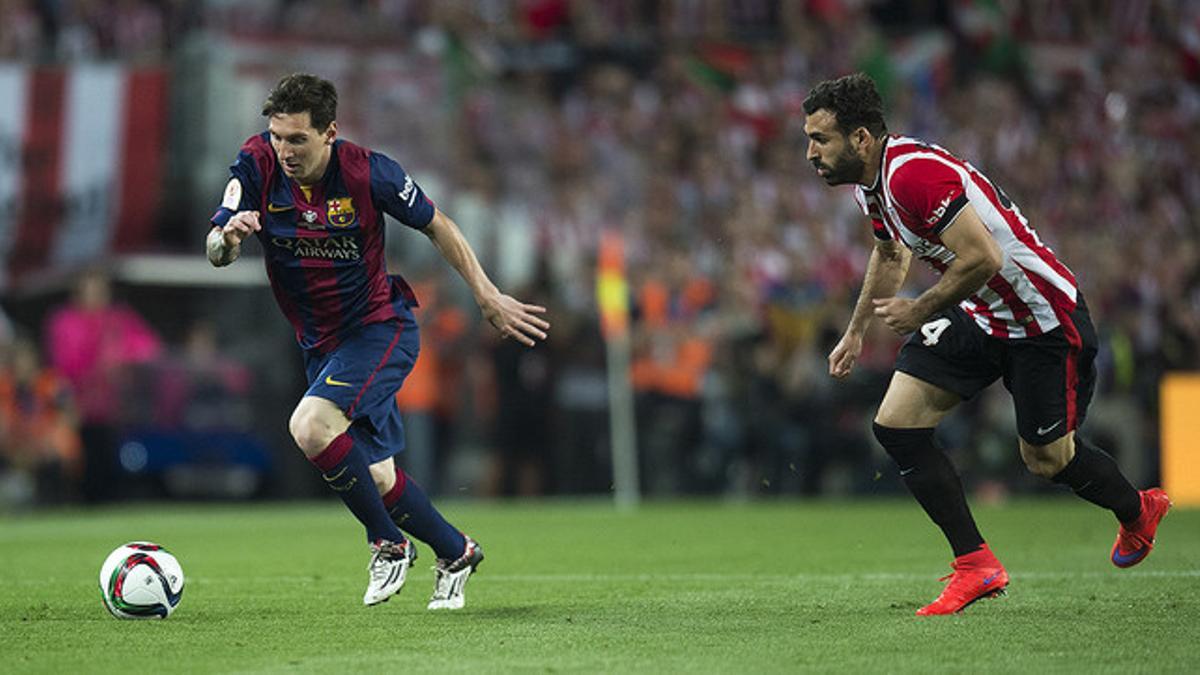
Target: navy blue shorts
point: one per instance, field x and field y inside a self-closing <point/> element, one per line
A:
<point x="1051" y="377"/>
<point x="362" y="375"/>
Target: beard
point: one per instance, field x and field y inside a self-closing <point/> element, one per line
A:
<point x="846" y="168"/>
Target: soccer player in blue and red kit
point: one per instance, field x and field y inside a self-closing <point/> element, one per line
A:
<point x="1004" y="308"/>
<point x="316" y="203"/>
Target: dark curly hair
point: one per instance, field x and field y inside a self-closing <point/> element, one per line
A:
<point x="854" y="102"/>
<point x="301" y="92"/>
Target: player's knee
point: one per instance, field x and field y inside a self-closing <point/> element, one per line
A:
<point x="384" y="477"/>
<point x="310" y="434"/>
<point x="1046" y="460"/>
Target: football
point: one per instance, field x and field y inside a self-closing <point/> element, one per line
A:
<point x="141" y="580"/>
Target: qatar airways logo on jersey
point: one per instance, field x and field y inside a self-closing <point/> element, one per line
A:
<point x="329" y="248"/>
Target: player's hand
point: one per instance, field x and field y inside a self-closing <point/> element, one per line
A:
<point x="515" y="319"/>
<point x="240" y="226"/>
<point x="899" y="314"/>
<point x="845" y="354"/>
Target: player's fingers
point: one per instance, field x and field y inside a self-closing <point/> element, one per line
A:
<point x="537" y="309"/>
<point x="835" y="360"/>
<point x="537" y="321"/>
<point x="521" y="337"/>
<point x="527" y="328"/>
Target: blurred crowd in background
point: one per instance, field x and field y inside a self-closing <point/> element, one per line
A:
<point x="678" y="124"/>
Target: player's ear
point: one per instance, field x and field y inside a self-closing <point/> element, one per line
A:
<point x="331" y="132"/>
<point x="862" y="139"/>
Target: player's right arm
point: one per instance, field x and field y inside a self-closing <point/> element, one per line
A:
<point x="224" y="244"/>
<point x="885" y="275"/>
<point x="237" y="218"/>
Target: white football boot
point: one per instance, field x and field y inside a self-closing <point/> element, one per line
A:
<point x="450" y="577"/>
<point x="389" y="567"/>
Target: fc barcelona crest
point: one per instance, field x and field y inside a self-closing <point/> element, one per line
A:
<point x="341" y="212"/>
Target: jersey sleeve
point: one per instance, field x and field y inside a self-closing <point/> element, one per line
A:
<point x="877" y="226"/>
<point x="395" y="192"/>
<point x="242" y="192"/>
<point x="930" y="191"/>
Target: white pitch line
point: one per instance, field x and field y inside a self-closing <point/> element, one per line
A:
<point x="699" y="577"/>
<point x="712" y="577"/>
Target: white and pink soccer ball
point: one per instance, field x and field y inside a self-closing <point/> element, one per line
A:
<point x="141" y="580"/>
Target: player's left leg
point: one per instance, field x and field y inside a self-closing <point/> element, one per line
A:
<point x="1094" y="475"/>
<point x="411" y="509"/>
<point x="1052" y="378"/>
<point x="1089" y="471"/>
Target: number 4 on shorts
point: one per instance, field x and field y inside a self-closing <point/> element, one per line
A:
<point x="933" y="331"/>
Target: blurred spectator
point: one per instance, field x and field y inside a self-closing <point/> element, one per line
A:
<point x="428" y="399"/>
<point x="672" y="355"/>
<point x="524" y="383"/>
<point x="84" y="30"/>
<point x="20" y="33"/>
<point x="199" y="387"/>
<point x="39" y="427"/>
<point x="92" y="342"/>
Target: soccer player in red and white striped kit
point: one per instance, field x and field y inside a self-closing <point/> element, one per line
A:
<point x="1005" y="307"/>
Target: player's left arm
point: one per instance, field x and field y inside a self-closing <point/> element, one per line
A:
<point x="977" y="258"/>
<point x="510" y="316"/>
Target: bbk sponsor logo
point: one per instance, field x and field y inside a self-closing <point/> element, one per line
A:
<point x="936" y="217"/>
<point x="330" y="248"/>
<point x="409" y="193"/>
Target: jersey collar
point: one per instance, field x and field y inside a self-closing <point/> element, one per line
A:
<point x="874" y="187"/>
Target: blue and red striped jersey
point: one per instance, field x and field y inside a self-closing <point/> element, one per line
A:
<point x="324" y="252"/>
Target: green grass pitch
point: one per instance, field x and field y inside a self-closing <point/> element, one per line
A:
<point x="575" y="586"/>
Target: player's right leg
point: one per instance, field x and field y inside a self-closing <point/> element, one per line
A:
<point x="321" y="431"/>
<point x="948" y="360"/>
<point x="411" y="509"/>
<point x="910" y="411"/>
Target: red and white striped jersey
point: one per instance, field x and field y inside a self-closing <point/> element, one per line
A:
<point x="921" y="188"/>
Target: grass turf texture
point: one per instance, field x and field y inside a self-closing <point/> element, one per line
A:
<point x="576" y="586"/>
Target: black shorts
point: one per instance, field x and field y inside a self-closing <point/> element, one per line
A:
<point x="1051" y="376"/>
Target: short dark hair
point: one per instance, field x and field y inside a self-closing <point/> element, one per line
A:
<point x="853" y="100"/>
<point x="301" y="92"/>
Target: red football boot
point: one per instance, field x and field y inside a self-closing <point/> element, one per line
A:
<point x="1135" y="541"/>
<point x="976" y="575"/>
